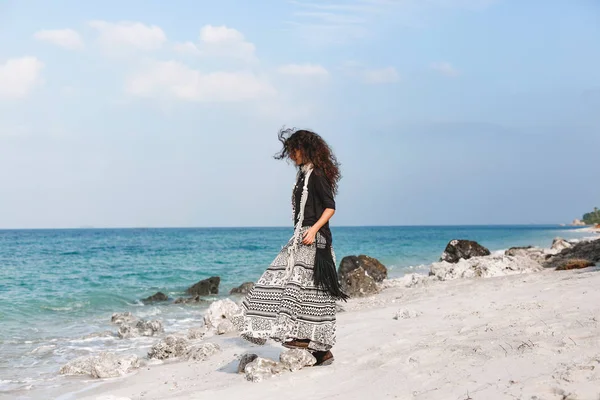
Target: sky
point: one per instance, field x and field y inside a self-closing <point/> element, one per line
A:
<point x="145" y="113"/>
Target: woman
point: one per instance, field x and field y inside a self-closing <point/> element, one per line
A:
<point x="293" y="302"/>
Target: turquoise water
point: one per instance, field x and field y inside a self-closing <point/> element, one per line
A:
<point x="57" y="287"/>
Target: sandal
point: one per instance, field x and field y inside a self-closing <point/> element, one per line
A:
<point x="323" y="358"/>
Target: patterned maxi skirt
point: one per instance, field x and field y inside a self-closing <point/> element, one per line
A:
<point x="285" y="304"/>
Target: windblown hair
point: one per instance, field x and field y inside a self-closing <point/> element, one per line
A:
<point x="314" y="150"/>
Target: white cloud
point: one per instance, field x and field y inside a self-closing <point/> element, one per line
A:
<point x="219" y="41"/>
<point x="187" y="48"/>
<point x="174" y="79"/>
<point x="381" y="75"/>
<point x="66" y="38"/>
<point x="303" y="70"/>
<point x="445" y="68"/>
<point x="18" y="77"/>
<point x="129" y="35"/>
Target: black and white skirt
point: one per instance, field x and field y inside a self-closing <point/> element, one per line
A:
<point x="284" y="303"/>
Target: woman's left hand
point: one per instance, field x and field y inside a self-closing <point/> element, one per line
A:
<point x="309" y="236"/>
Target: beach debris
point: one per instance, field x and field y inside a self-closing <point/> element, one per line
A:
<point x="141" y="328"/>
<point x="575" y="264"/>
<point x="220" y="311"/>
<point x="158" y="296"/>
<point x="370" y="265"/>
<point x="245" y="360"/>
<point x="123" y="318"/>
<point x="205" y="287"/>
<point x="202" y="352"/>
<point x="170" y="347"/>
<point x="263" y="368"/>
<point x="463" y="249"/>
<point x="244" y="288"/>
<point x="406" y="313"/>
<point x="296" y="359"/>
<point x="103" y="365"/>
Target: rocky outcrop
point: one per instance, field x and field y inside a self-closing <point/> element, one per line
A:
<point x="170" y="347"/>
<point x="245" y="360"/>
<point x="370" y="265"/>
<point x="219" y="312"/>
<point x="140" y="328"/>
<point x="104" y="365"/>
<point x="463" y="250"/>
<point x="196" y="333"/>
<point x="559" y="244"/>
<point x="190" y="300"/>
<point x="358" y="283"/>
<point x="205" y="287"/>
<point x="123" y="318"/>
<point x="262" y="368"/>
<point x="244" y="288"/>
<point x="483" y="267"/>
<point x="202" y="352"/>
<point x="584" y="250"/>
<point x="296" y="359"/>
<point x="535" y="253"/>
<point x="359" y="275"/>
<point x="574" y="264"/>
<point x="159" y="296"/>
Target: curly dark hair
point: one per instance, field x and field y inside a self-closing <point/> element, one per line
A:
<point x="314" y="150"/>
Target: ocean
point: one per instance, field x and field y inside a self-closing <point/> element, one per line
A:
<point x="59" y="288"/>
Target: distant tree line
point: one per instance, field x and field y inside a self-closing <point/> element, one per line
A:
<point x="593" y="217"/>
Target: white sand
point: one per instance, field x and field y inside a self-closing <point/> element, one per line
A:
<point x="527" y="336"/>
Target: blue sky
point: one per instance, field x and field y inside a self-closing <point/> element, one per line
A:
<point x="135" y="113"/>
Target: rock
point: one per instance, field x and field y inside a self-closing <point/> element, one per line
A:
<point x="220" y="310"/>
<point x="202" y="352"/>
<point x="205" y="287"/>
<point x="480" y="267"/>
<point x="122" y="318"/>
<point x="224" y="327"/>
<point x="296" y="359"/>
<point x="245" y="360"/>
<point x="559" y="244"/>
<point x="159" y="296"/>
<point x="585" y="250"/>
<point x="358" y="284"/>
<point x="536" y="254"/>
<point x="170" y="347"/>
<point x="577" y="222"/>
<point x="370" y="265"/>
<point x="574" y="264"/>
<point x="262" y="368"/>
<point x="196" y="333"/>
<point x="141" y="328"/>
<point x="407" y="314"/>
<point x="188" y="300"/>
<point x="463" y="249"/>
<point x="104" y="365"/>
<point x="244" y="288"/>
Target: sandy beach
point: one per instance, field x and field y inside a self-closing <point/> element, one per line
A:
<point x="528" y="335"/>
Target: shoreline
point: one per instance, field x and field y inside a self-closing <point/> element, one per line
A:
<point x="441" y="311"/>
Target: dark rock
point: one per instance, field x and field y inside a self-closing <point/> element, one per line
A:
<point x="514" y="251"/>
<point x="465" y="249"/>
<point x="586" y="250"/>
<point x="188" y="300"/>
<point x="245" y="360"/>
<point x="159" y="296"/>
<point x="574" y="264"/>
<point x="244" y="288"/>
<point x="358" y="283"/>
<point x="370" y="265"/>
<point x="205" y="287"/>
